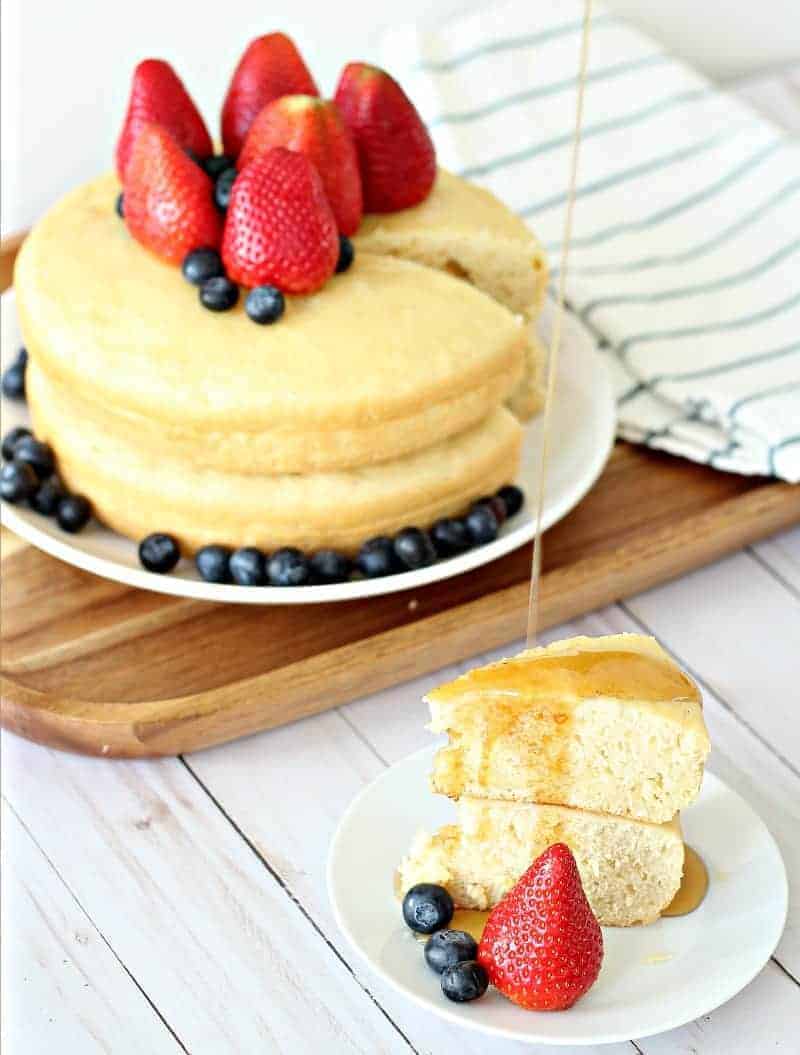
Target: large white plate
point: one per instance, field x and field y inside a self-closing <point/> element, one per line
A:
<point x="583" y="425"/>
<point x="653" y="978"/>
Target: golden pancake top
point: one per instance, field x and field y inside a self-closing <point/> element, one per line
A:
<point x="383" y="340"/>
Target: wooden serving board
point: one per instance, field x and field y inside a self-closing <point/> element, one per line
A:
<point x="89" y="665"/>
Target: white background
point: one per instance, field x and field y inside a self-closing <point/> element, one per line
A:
<point x="66" y="66"/>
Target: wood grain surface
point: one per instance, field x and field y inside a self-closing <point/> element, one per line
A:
<point x="93" y="666"/>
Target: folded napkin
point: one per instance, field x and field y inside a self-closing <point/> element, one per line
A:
<point x="686" y="250"/>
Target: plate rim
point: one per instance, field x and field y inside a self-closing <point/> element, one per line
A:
<point x="578" y="1040"/>
<point x="228" y="593"/>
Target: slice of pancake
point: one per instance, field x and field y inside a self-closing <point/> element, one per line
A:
<point x="387" y="359"/>
<point x="136" y="490"/>
<point x="630" y="869"/>
<point x="607" y="723"/>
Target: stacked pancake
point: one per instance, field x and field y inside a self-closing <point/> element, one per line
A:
<point x="377" y="402"/>
<point x="594" y="742"/>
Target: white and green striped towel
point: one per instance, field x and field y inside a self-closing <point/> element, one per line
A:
<point x="685" y="259"/>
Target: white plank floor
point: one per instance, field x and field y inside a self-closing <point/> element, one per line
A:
<point x="180" y="905"/>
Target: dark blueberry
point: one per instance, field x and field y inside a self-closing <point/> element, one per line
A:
<point x="18" y="482"/>
<point x="329" y="566"/>
<point x="248" y="567"/>
<point x="213" y="563"/>
<point x="427" y="907"/>
<point x="346" y="254"/>
<point x="120" y="205"/>
<point x="222" y="188"/>
<point x="481" y="524"/>
<point x="200" y="265"/>
<point x="288" y="567"/>
<point x="264" y="304"/>
<point x="497" y="506"/>
<point x="159" y="553"/>
<point x="46" y="499"/>
<point x="219" y="293"/>
<point x="464" y="981"/>
<point x="215" y="165"/>
<point x="448" y="947"/>
<point x="450" y="536"/>
<point x="36" y="454"/>
<point x="22" y="357"/>
<point x="513" y="497"/>
<point x="413" y="548"/>
<point x="14" y="381"/>
<point x="11" y="439"/>
<point x="73" y="513"/>
<point x="376" y="557"/>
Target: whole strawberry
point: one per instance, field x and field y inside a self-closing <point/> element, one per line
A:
<point x="168" y="198"/>
<point x="159" y="97"/>
<point x="542" y="946"/>
<point x="314" y="127"/>
<point x="270" y="67"/>
<point x="395" y="152"/>
<point x="279" y="228"/>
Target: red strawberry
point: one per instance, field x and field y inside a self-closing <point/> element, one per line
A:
<point x="279" y="229"/>
<point x="168" y="199"/>
<point x="158" y="96"/>
<point x="313" y="127"/>
<point x="542" y="946"/>
<point x="270" y="67"/>
<point x="395" y="152"/>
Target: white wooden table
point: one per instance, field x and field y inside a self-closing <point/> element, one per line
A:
<point x="180" y="905"/>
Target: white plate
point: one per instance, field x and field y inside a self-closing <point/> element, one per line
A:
<point x="583" y="431"/>
<point x="653" y="978"/>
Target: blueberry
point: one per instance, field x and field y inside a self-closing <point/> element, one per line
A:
<point x="248" y="567"/>
<point x="497" y="506"/>
<point x="22" y="356"/>
<point x="413" y="548"/>
<point x="264" y="304"/>
<point x="46" y="499"/>
<point x="36" y="454"/>
<point x="450" y="536"/>
<point x="448" y="947"/>
<point x="73" y="513"/>
<point x="200" y="265"/>
<point x="119" y="205"/>
<point x="481" y="524"/>
<point x="213" y="563"/>
<point x="11" y="439"/>
<point x="14" y="381"/>
<point x="159" y="553"/>
<point x="513" y="497"/>
<point x="327" y="565"/>
<point x="377" y="557"/>
<point x="288" y="567"/>
<point x="427" y="907"/>
<point x="18" y="482"/>
<point x="222" y="188"/>
<point x="346" y="254"/>
<point x="464" y="981"/>
<point x="218" y="293"/>
<point x="216" y="164"/>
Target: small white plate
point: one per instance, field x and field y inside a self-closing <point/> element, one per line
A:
<point x="583" y="425"/>
<point x="653" y="978"/>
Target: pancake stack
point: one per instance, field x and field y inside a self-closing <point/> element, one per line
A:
<point x="378" y="402"/>
<point x="594" y="742"/>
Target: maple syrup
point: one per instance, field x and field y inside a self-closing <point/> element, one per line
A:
<point x="693" y="886"/>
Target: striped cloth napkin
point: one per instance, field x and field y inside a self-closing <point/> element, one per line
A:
<point x="685" y="260"/>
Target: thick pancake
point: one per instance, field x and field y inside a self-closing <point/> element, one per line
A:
<point x="389" y="358"/>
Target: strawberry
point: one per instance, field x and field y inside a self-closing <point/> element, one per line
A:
<point x="313" y="127"/>
<point x="158" y="96"/>
<point x="395" y="152"/>
<point x="542" y="946"/>
<point x="279" y="229"/>
<point x="168" y="198"/>
<point x="270" y="67"/>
